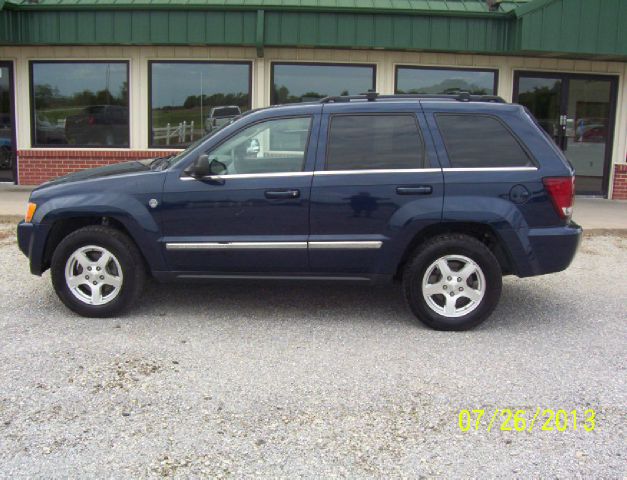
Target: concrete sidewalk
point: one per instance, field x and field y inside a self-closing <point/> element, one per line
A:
<point x="13" y="199"/>
<point x="598" y="213"/>
<point x="590" y="213"/>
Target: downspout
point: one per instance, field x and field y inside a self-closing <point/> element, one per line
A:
<point x="260" y="34"/>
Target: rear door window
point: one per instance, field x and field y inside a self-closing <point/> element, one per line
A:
<point x="374" y="142"/>
<point x="475" y="141"/>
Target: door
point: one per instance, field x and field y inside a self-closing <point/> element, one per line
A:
<point x="7" y="124"/>
<point x="377" y="183"/>
<point x="578" y="112"/>
<point x="252" y="214"/>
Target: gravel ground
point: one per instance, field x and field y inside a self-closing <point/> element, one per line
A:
<point x="311" y="380"/>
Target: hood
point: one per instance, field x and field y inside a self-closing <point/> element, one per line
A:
<point x="101" y="172"/>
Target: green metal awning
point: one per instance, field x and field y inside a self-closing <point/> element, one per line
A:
<point x="573" y="28"/>
<point x="383" y="6"/>
<point x="565" y="28"/>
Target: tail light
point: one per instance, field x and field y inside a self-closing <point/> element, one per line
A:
<point x="91" y="120"/>
<point x="562" y="191"/>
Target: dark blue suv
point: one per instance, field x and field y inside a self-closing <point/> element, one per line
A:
<point x="445" y="193"/>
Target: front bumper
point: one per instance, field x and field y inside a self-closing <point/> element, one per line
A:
<point x="31" y="239"/>
<point x="24" y="236"/>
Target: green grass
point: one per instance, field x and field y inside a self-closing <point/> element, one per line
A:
<point x="160" y="118"/>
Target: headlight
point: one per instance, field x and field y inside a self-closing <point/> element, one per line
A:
<point x="30" y="211"/>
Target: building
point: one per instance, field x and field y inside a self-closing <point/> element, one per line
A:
<point x="91" y="82"/>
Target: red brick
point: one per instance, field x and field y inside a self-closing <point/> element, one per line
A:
<point x="37" y="166"/>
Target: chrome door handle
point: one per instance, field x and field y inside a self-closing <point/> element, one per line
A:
<point x="415" y="190"/>
<point x="282" y="193"/>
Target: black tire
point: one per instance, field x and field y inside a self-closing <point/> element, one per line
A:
<point x="126" y="253"/>
<point x="436" y="248"/>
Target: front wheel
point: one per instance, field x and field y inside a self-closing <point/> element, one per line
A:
<point x="97" y="271"/>
<point x="453" y="282"/>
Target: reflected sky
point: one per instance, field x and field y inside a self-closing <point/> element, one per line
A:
<point x="414" y="80"/>
<point x="70" y="78"/>
<point x="528" y="84"/>
<point x="323" y="79"/>
<point x="172" y="83"/>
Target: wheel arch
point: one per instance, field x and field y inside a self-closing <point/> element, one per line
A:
<point x="483" y="232"/>
<point x="62" y="226"/>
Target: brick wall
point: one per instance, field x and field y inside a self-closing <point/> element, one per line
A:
<point x="37" y="166"/>
<point x="620" y="183"/>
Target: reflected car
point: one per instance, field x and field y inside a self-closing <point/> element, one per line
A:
<point x="48" y="133"/>
<point x="220" y="116"/>
<point x="594" y="134"/>
<point x="98" y="125"/>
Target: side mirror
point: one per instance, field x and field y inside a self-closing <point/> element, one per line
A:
<point x="200" y="168"/>
<point x="217" y="168"/>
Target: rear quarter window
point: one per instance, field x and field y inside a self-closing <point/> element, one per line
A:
<point x="476" y="141"/>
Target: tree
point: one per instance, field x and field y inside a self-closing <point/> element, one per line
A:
<point x="45" y="95"/>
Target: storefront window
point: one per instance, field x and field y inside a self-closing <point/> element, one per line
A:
<point x="293" y="83"/>
<point x="445" y="80"/>
<point x="190" y="99"/>
<point x="7" y="128"/>
<point x="80" y="104"/>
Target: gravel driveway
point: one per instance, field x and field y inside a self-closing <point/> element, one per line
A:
<point x="311" y="380"/>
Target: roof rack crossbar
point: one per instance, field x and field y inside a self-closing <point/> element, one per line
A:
<point x="373" y="96"/>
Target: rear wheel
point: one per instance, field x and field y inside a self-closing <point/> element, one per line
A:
<point x="97" y="271"/>
<point x="453" y="282"/>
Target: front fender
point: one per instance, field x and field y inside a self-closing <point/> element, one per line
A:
<point x="131" y="211"/>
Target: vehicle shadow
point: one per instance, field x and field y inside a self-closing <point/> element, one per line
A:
<point x="522" y="303"/>
<point x="300" y="300"/>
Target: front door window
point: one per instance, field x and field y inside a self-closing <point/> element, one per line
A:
<point x="274" y="146"/>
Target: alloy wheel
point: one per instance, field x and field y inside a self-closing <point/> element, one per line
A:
<point x="453" y="286"/>
<point x="93" y="275"/>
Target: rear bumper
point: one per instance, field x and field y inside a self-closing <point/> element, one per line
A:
<point x="31" y="240"/>
<point x="551" y="250"/>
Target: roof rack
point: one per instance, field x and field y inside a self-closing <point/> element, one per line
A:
<point x="372" y="96"/>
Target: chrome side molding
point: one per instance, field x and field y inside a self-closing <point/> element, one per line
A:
<point x="331" y="245"/>
<point x="490" y="169"/>
<point x="348" y="245"/>
<point x="383" y="170"/>
<point x="234" y="245"/>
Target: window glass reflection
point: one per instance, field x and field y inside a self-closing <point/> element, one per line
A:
<point x="190" y="99"/>
<point x="273" y="146"/>
<point x="445" y="81"/>
<point x="80" y="103"/>
<point x="7" y="149"/>
<point x="293" y="83"/>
